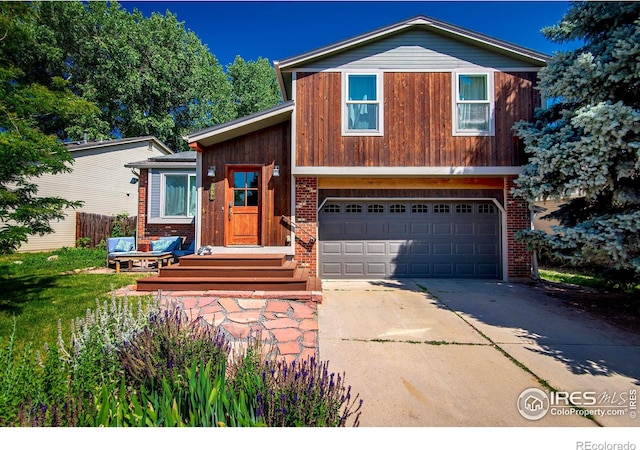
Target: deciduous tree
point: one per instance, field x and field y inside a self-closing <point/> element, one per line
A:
<point x="33" y="120"/>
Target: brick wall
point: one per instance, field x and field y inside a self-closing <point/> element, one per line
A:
<point x="149" y="232"/>
<point x="518" y="218"/>
<point x="306" y="196"/>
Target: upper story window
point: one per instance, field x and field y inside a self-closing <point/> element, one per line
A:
<point x="179" y="195"/>
<point x="362" y="111"/>
<point x="473" y="109"/>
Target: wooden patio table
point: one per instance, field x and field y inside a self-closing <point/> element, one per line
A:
<point x="160" y="258"/>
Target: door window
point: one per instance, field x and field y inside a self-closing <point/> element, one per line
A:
<point x="245" y="188"/>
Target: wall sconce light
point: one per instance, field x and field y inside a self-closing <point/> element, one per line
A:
<point x="211" y="172"/>
<point x="276" y="170"/>
<point x="136" y="176"/>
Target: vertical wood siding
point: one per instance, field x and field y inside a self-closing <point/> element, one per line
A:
<point x="417" y="123"/>
<point x="261" y="148"/>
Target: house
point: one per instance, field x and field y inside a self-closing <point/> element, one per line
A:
<point x="392" y="155"/>
<point x="166" y="197"/>
<point x="100" y="179"/>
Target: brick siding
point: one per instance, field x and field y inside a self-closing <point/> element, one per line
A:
<point x="306" y="195"/>
<point x="518" y="218"/>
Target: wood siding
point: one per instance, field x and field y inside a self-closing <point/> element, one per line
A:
<point x="411" y="193"/>
<point x="417" y="123"/>
<point x="265" y="148"/>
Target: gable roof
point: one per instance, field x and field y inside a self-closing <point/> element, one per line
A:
<point x="420" y="22"/>
<point x="89" y="145"/>
<point x="241" y="126"/>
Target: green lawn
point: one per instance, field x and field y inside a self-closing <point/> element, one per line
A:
<point x="579" y="279"/>
<point x="38" y="292"/>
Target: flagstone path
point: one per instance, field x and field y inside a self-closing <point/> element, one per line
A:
<point x="284" y="321"/>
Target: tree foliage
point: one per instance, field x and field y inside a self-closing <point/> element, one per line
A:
<point x="34" y="117"/>
<point x="255" y="86"/>
<point x="585" y="146"/>
<point x="149" y="76"/>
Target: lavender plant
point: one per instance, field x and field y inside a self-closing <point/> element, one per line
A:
<point x="169" y="345"/>
<point x="305" y="394"/>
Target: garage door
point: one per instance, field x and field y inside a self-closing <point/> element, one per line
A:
<point x="379" y="239"/>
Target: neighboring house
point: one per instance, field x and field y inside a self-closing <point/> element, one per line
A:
<point x="167" y="197"/>
<point x="99" y="179"/>
<point x="392" y="156"/>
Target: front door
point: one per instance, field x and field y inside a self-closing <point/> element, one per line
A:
<point x="243" y="206"/>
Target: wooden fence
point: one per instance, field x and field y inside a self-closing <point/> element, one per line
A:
<point x="98" y="227"/>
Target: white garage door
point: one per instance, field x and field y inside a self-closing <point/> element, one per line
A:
<point x="379" y="239"/>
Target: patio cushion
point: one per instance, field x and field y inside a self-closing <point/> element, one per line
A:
<point x="163" y="245"/>
<point x="123" y="245"/>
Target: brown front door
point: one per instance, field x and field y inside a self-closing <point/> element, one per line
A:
<point x="243" y="206"/>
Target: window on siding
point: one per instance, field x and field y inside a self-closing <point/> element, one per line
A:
<point x="363" y="108"/>
<point x="179" y="195"/>
<point x="474" y="104"/>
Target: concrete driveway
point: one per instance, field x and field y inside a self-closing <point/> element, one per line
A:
<point x="461" y="352"/>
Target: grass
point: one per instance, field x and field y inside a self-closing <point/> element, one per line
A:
<point x="38" y="289"/>
<point x="579" y="279"/>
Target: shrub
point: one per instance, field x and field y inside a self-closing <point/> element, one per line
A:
<point x="154" y="367"/>
<point x="168" y="346"/>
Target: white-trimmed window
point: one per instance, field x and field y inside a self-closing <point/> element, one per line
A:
<point x="362" y="104"/>
<point x="179" y="195"/>
<point x="474" y="103"/>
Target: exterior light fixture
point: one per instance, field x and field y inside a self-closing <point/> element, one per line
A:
<point x="211" y="172"/>
<point x="133" y="180"/>
<point x="276" y="170"/>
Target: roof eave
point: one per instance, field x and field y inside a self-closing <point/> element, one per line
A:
<point x="241" y="126"/>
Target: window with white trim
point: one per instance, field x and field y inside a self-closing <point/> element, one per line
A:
<point x="179" y="194"/>
<point x="473" y="108"/>
<point x="362" y="104"/>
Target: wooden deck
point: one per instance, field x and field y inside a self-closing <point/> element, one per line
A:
<point x="232" y="272"/>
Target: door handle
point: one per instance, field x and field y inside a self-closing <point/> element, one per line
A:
<point x="230" y="210"/>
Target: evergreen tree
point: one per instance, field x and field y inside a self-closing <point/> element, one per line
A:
<point x="585" y="146"/>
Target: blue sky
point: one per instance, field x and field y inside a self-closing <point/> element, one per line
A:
<point x="278" y="30"/>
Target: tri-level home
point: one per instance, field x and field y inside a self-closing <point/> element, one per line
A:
<point x="392" y="155"/>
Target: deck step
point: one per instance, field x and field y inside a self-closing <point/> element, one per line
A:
<point x="180" y="270"/>
<point x="295" y="283"/>
<point x="232" y="272"/>
<point x="234" y="259"/>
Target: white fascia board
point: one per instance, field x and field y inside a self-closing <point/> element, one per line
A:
<point x="239" y="124"/>
<point x="407" y="171"/>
